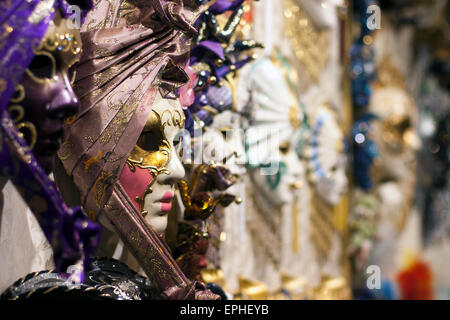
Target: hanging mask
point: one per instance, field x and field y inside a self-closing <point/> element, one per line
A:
<point x="277" y="123"/>
<point x="153" y="166"/>
<point x="44" y="98"/>
<point x="326" y="155"/>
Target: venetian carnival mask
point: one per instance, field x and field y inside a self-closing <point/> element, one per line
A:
<point x="45" y="97"/>
<point x="393" y="131"/>
<point x="275" y="133"/>
<point x="222" y="143"/>
<point x="153" y="167"/>
<point x="392" y="106"/>
<point x="279" y="187"/>
<point x="325" y="150"/>
<point x="325" y="154"/>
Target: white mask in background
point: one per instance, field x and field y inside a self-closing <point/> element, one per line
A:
<point x="278" y="188"/>
<point x="223" y="143"/>
<point x="274" y="133"/>
<point x="325" y="154"/>
<point x="393" y="133"/>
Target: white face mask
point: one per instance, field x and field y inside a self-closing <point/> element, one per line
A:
<point x="224" y="140"/>
<point x="154" y="168"/>
<point x="276" y="129"/>
<point x="278" y="188"/>
<point x="332" y="188"/>
<point x="394" y="134"/>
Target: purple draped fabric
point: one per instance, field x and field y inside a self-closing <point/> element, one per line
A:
<point x="73" y="237"/>
<point x="221" y="6"/>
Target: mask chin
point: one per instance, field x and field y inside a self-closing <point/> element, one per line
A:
<point x="158" y="223"/>
<point x="276" y="192"/>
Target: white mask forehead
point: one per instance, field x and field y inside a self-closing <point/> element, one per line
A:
<point x="172" y="116"/>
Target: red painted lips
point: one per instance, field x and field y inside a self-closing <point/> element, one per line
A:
<point x="166" y="201"/>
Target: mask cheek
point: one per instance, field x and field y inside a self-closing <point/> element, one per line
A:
<point x="135" y="183"/>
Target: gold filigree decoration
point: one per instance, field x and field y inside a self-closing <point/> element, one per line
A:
<point x="134" y="238"/>
<point x="154" y="171"/>
<point x="172" y="118"/>
<point x="120" y="121"/>
<point x="65" y="151"/>
<point x="92" y="160"/>
<point x="32" y="132"/>
<point x="66" y="42"/>
<point x="70" y="120"/>
<point x="202" y="66"/>
<point x="18" y="113"/>
<point x="23" y="152"/>
<point x="310" y="45"/>
<point x="100" y="186"/>
<point x="106" y="22"/>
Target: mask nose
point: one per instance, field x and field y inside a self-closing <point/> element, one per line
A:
<point x="65" y="102"/>
<point x="176" y="171"/>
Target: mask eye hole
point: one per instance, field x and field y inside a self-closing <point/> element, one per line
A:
<point x="178" y="141"/>
<point x="72" y="74"/>
<point x="284" y="147"/>
<point x="226" y="133"/>
<point x="149" y="141"/>
<point x="177" y="144"/>
<point x="42" y="67"/>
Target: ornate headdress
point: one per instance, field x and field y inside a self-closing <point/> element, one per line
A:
<point x="23" y="25"/>
<point x="214" y="57"/>
<point x="132" y="48"/>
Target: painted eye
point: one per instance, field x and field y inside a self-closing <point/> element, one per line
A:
<point x="149" y="141"/>
<point x="42" y="67"/>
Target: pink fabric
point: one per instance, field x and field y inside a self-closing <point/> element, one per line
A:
<point x="130" y="50"/>
<point x="187" y="94"/>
